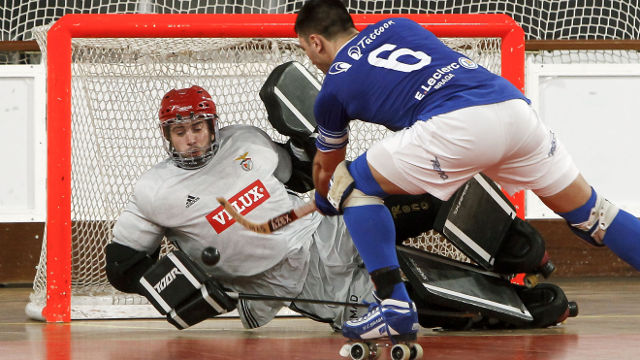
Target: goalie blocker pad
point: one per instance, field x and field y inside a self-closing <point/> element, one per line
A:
<point x="180" y="289"/>
<point x="443" y="282"/>
<point x="172" y="279"/>
<point x="476" y="219"/>
<point x="289" y="94"/>
<point x="209" y="301"/>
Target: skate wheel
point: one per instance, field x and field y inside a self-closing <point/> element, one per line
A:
<point x="400" y="352"/>
<point x="359" y="351"/>
<point x="416" y="352"/>
<point x="530" y="280"/>
<point x="547" y="269"/>
<point x="573" y="309"/>
<point x="345" y="350"/>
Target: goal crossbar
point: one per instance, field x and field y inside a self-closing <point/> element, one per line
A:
<point x="59" y="59"/>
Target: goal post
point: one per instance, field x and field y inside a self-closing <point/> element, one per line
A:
<point x="178" y="26"/>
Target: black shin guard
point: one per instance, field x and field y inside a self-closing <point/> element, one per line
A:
<point x="385" y="280"/>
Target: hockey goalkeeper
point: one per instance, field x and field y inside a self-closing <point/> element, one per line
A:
<point x="312" y="258"/>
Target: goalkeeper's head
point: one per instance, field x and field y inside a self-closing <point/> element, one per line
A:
<point x="189" y="126"/>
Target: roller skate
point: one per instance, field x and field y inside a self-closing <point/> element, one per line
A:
<point x="389" y="324"/>
<point x="543" y="271"/>
<point x="548" y="304"/>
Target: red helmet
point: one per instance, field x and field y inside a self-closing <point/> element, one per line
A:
<point x="185" y="103"/>
<point x="180" y="105"/>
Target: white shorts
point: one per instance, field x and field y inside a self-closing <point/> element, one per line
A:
<point x="506" y="141"/>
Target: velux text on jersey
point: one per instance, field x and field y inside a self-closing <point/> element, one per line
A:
<point x="244" y="201"/>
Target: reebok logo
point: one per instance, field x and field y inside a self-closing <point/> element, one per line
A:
<point x="438" y="169"/>
<point x="554" y="144"/>
<point x="244" y="202"/>
<point x="191" y="200"/>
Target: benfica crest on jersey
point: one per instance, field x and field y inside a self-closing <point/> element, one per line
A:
<point x="245" y="162"/>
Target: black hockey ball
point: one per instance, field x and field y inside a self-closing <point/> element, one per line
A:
<point x="210" y="256"/>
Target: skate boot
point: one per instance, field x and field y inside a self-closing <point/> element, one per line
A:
<point x="388" y="322"/>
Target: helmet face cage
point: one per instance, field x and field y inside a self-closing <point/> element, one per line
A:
<point x="185" y="160"/>
<point x="186" y="106"/>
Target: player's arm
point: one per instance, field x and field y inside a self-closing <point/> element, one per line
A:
<point x="134" y="249"/>
<point x="125" y="266"/>
<point x="332" y="139"/>
<point x="324" y="164"/>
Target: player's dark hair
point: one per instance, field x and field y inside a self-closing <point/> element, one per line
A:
<point x="324" y="17"/>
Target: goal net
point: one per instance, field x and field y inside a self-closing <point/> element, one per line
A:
<point x="106" y="76"/>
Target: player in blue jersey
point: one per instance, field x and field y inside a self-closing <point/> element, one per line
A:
<point x="453" y="119"/>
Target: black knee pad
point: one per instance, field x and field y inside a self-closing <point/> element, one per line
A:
<point x="412" y="214"/>
<point x="125" y="266"/>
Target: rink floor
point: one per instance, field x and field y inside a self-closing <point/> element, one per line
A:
<point x="608" y="327"/>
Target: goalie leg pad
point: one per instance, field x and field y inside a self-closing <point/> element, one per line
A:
<point x="211" y="300"/>
<point x="412" y="214"/>
<point x="171" y="280"/>
<point x="463" y="287"/>
<point x="289" y="94"/>
<point x="478" y="237"/>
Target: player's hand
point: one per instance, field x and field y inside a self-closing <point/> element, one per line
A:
<point x="324" y="206"/>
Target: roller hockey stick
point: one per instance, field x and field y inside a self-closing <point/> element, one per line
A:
<point x="272" y="224"/>
<point x="442" y="313"/>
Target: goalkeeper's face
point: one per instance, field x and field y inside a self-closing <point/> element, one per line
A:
<point x="192" y="142"/>
<point x="190" y="138"/>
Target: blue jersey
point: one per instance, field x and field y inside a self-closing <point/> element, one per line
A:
<point x="396" y="72"/>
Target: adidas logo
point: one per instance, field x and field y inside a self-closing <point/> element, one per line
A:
<point x="191" y="200"/>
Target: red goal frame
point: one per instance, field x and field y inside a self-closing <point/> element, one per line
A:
<point x="58" y="227"/>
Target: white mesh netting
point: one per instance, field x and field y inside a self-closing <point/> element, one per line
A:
<point x="541" y="19"/>
<point x="116" y="87"/>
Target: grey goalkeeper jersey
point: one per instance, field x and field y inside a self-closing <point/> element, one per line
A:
<point x="181" y="205"/>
